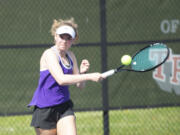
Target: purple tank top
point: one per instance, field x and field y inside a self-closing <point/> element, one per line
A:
<point x="49" y="92"/>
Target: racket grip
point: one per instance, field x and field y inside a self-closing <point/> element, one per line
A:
<point x="108" y="73"/>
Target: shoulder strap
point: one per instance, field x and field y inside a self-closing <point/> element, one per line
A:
<point x="59" y="57"/>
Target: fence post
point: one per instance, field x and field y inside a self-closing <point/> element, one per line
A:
<point x="104" y="66"/>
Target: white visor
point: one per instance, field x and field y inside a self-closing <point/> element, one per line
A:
<point x="66" y="30"/>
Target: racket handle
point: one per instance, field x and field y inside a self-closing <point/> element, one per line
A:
<point x="108" y="73"/>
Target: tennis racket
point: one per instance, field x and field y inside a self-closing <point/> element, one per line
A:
<point x="146" y="59"/>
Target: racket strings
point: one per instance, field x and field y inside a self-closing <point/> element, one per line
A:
<point x="149" y="57"/>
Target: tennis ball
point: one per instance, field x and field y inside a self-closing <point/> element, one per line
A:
<point x="126" y="60"/>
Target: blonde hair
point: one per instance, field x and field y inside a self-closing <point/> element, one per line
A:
<point x="60" y="22"/>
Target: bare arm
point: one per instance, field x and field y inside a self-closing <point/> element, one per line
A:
<point x="52" y="64"/>
<point x="84" y="67"/>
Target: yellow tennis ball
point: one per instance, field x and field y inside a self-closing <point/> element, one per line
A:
<point x="126" y="60"/>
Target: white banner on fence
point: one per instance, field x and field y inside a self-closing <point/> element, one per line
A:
<point x="167" y="76"/>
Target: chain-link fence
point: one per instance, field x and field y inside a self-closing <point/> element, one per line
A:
<point x="108" y="29"/>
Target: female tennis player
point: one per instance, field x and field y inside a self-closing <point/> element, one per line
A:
<point x="53" y="109"/>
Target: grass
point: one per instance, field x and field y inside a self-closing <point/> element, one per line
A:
<point x="164" y="121"/>
<point x="158" y="121"/>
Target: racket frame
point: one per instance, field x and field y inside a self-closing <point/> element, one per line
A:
<point x="120" y="67"/>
